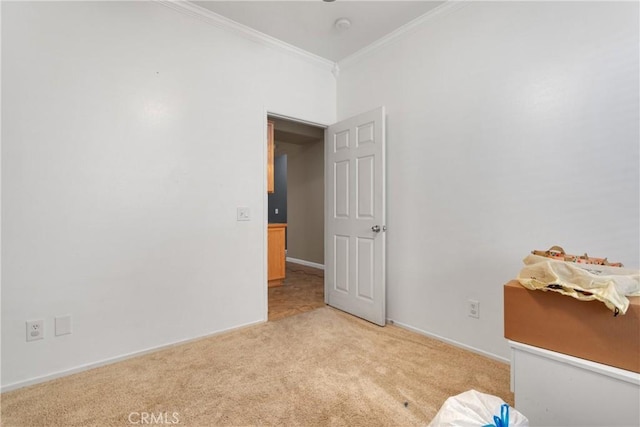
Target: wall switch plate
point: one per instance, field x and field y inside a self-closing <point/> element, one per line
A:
<point x="35" y="330"/>
<point x="244" y="214"/>
<point x="474" y="308"/>
<point x="276" y="211"/>
<point x="63" y="325"/>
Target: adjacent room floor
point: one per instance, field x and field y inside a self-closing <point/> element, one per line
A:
<point x="301" y="291"/>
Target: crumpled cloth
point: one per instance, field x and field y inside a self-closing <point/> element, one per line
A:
<point x="586" y="282"/>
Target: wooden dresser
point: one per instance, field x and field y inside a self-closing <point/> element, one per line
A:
<point x="276" y="254"/>
<point x="572" y="362"/>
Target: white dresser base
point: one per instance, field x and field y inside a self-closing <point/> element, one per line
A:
<point x="553" y="389"/>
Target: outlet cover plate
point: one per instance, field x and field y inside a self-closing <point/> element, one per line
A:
<point x="474" y="308"/>
<point x="35" y="330"/>
<point x="63" y="325"/>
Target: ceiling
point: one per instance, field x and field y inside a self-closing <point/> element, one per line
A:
<point x="309" y="24"/>
<point x="295" y="132"/>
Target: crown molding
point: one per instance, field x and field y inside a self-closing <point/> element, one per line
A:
<point x="438" y="12"/>
<point x="212" y="18"/>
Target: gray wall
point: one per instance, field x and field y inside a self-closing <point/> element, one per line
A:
<point x="305" y="200"/>
<point x="278" y="199"/>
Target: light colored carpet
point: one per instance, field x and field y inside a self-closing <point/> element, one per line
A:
<point x="322" y="367"/>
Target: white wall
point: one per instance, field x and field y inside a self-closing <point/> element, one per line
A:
<point x="131" y="132"/>
<point x="511" y="126"/>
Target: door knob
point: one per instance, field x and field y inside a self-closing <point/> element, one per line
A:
<point x="375" y="228"/>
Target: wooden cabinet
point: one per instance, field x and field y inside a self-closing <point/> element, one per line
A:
<point x="270" y="156"/>
<point x="276" y="254"/>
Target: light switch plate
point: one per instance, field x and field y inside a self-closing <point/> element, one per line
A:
<point x="244" y="214"/>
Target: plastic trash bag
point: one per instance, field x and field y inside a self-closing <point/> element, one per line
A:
<point x="473" y="408"/>
<point x="586" y="282"/>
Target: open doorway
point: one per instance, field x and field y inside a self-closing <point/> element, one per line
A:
<point x="296" y="207"/>
<point x="354" y="215"/>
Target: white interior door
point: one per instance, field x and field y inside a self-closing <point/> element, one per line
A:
<point x="355" y="216"/>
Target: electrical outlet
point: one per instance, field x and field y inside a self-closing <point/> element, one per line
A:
<point x="276" y="211"/>
<point x="35" y="330"/>
<point x="474" y="308"/>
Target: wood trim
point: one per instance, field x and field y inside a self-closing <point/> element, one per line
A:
<point x="271" y="147"/>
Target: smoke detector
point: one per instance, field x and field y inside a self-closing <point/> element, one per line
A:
<point x="342" y="24"/>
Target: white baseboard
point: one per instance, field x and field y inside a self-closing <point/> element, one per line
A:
<point x="449" y="341"/>
<point x="307" y="263"/>
<point x="81" y="368"/>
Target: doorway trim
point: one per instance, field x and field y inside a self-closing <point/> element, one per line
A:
<point x="265" y="201"/>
